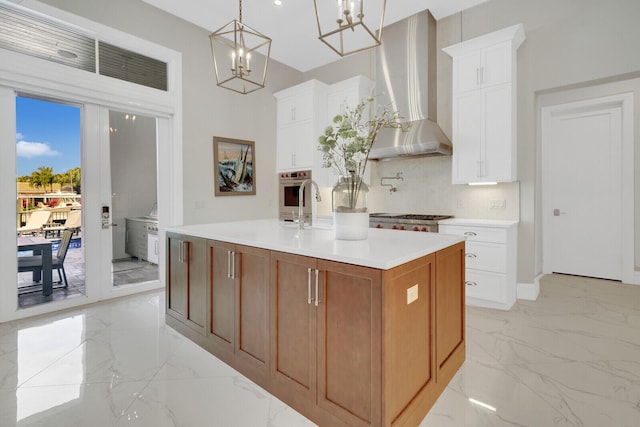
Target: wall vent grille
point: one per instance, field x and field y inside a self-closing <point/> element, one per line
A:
<point x="51" y="40"/>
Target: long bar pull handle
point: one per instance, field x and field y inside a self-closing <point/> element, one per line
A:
<point x="309" y="286"/>
<point x="233" y="264"/>
<point x="228" y="264"/>
<point x="180" y="251"/>
<point x="317" y="287"/>
<point x="184" y="246"/>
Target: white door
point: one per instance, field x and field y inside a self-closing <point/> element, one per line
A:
<point x="582" y="203"/>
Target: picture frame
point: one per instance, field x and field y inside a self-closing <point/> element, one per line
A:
<point x="234" y="167"/>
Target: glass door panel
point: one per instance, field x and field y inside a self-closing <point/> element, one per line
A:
<point x="134" y="195"/>
<point x="49" y="201"/>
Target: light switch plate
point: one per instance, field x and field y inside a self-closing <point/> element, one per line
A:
<point x="412" y="294"/>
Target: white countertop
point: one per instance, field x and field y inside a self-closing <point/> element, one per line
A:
<point x="384" y="249"/>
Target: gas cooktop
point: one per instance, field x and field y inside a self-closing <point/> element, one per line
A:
<point x="415" y="217"/>
<point x="398" y="221"/>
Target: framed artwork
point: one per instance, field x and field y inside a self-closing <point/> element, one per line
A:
<point x="234" y="166"/>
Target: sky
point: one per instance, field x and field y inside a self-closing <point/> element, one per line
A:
<point x="48" y="134"/>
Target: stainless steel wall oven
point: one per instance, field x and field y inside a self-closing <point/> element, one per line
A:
<point x="289" y="187"/>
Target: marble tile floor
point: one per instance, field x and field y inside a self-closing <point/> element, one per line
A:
<point x="572" y="358"/>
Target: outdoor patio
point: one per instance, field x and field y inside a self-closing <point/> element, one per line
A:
<point x="125" y="272"/>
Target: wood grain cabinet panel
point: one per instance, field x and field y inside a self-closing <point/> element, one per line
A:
<point x="349" y="342"/>
<point x="186" y="283"/>
<point x="293" y="327"/>
<point x="450" y="311"/>
<point x="239" y="303"/>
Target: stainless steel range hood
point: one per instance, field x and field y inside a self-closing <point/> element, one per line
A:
<point x="406" y="82"/>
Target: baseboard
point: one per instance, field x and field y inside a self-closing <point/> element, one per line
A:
<point x="529" y="291"/>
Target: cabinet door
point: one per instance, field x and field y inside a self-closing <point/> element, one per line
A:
<point x="498" y="139"/>
<point x="252" y="309"/>
<point x="467" y="71"/>
<point x="450" y="311"/>
<point x="220" y="328"/>
<point x="467" y="152"/>
<point x="293" y="327"/>
<point x="409" y="365"/>
<point x="177" y="276"/>
<point x="496" y="64"/>
<point x="296" y="107"/>
<point x="349" y="329"/>
<point x="295" y="147"/>
<point x="187" y="284"/>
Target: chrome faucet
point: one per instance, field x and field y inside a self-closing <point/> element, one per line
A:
<point x="301" y="200"/>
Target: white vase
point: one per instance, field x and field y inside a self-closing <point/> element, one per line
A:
<point x="351" y="225"/>
<point x="349" y="205"/>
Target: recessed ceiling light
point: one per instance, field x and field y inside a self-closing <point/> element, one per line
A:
<point x="277" y="2"/>
<point x="67" y="54"/>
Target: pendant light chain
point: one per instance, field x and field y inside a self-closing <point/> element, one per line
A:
<point x="240" y="8"/>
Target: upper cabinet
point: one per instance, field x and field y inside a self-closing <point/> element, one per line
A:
<point x="484" y="107"/>
<point x="304" y="111"/>
<point x="302" y="114"/>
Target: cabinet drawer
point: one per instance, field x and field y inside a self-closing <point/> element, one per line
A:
<point x="476" y="234"/>
<point x="486" y="256"/>
<point x="485" y="285"/>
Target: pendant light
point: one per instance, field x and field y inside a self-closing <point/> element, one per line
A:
<point x="240" y="56"/>
<point x="342" y="27"/>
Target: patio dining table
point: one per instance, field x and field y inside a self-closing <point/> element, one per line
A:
<point x="40" y="246"/>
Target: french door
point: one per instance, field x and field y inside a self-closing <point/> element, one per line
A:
<point x="119" y="181"/>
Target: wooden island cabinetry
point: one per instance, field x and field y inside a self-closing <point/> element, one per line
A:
<point x="186" y="281"/>
<point x="343" y="344"/>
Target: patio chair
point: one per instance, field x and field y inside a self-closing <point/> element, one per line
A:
<point x="35" y="223"/>
<point x="34" y="262"/>
<point x="73" y="223"/>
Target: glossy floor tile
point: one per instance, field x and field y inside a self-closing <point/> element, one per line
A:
<point x="572" y="358"/>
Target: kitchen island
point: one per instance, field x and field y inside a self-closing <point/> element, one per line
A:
<point x="352" y="333"/>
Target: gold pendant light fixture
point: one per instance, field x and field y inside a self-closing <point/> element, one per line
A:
<point x="342" y="27"/>
<point x="240" y="56"/>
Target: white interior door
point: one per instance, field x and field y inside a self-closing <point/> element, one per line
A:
<point x="582" y="187"/>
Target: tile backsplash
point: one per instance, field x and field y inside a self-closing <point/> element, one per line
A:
<point x="426" y="188"/>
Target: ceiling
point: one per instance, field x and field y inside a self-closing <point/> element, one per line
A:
<point x="292" y="26"/>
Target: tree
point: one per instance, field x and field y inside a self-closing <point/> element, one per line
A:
<point x="42" y="177"/>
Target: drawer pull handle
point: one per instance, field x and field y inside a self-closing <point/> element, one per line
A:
<point x="470" y="233"/>
<point x="470" y="283"/>
<point x="471" y="255"/>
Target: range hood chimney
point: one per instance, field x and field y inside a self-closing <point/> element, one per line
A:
<point x="406" y="82"/>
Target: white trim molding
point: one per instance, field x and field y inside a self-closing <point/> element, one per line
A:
<point x="529" y="291"/>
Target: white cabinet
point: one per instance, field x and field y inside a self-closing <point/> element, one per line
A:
<point x="484" y="107"/>
<point x="301" y="117"/>
<point x="490" y="259"/>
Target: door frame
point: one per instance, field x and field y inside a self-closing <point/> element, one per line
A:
<point x="624" y="101"/>
<point x="21" y="73"/>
